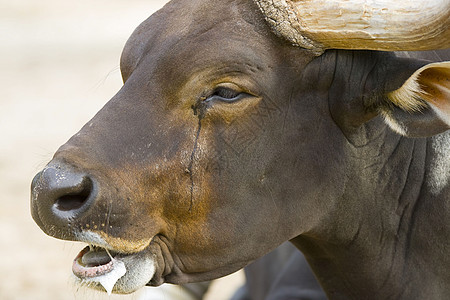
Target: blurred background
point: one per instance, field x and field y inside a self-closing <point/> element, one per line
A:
<point x="59" y="64"/>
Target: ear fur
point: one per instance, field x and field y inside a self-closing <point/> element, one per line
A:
<point x="422" y="104"/>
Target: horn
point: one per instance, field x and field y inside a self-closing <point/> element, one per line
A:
<point x="388" y="25"/>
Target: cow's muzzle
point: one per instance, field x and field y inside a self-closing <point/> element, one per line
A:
<point x="61" y="194"/>
<point x="62" y="199"/>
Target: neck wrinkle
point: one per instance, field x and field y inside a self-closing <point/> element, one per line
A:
<point x="372" y="224"/>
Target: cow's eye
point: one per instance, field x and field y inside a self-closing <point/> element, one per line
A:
<point x="226" y="94"/>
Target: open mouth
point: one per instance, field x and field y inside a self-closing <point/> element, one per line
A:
<point x="98" y="265"/>
<point x="93" y="261"/>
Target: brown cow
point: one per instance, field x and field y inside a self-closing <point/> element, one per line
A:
<point x="226" y="140"/>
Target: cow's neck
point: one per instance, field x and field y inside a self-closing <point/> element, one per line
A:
<point x="378" y="241"/>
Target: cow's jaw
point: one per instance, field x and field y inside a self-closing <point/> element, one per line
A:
<point x="101" y="267"/>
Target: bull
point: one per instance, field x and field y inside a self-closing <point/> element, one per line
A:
<point x="240" y="126"/>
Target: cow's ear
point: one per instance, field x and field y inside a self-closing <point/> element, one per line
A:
<point x="421" y="106"/>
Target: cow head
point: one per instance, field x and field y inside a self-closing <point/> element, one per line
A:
<point x="220" y="146"/>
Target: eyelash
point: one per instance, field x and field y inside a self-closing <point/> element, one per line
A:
<point x="226" y="95"/>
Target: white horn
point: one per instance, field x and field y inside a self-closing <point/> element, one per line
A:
<point x="388" y="25"/>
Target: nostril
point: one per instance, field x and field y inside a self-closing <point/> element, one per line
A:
<point x="72" y="202"/>
<point x="75" y="197"/>
<point x="61" y="194"/>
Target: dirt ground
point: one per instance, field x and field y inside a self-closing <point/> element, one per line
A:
<point x="58" y="66"/>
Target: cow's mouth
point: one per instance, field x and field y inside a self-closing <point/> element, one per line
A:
<point x="93" y="261"/>
<point x="98" y="265"/>
<point x="113" y="271"/>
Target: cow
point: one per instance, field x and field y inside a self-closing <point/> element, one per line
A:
<point x="243" y="124"/>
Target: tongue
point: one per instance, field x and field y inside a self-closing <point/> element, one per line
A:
<point x="95" y="258"/>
